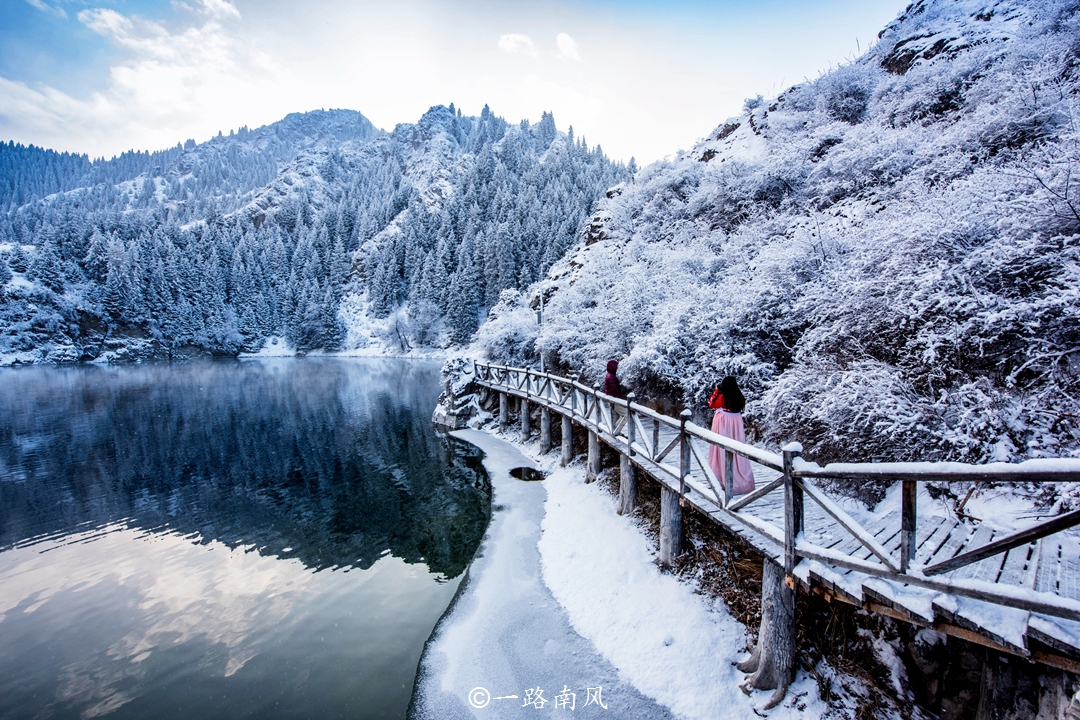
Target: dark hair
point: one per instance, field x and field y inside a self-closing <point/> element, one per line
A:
<point x="733" y="397"/>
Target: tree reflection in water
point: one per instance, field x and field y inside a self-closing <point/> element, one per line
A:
<point x="331" y="461"/>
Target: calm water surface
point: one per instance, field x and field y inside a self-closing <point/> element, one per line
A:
<point x="232" y="539"/>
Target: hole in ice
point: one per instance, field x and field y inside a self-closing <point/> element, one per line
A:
<point x="527" y="473"/>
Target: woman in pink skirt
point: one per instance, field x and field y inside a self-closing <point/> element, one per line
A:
<point x="728" y="401"/>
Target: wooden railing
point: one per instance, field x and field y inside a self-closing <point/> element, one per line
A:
<point x="649" y="439"/>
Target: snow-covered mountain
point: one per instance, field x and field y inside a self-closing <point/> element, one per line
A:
<point x="319" y="228"/>
<point x="886" y="257"/>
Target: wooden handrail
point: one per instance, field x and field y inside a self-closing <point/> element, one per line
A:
<point x="560" y="394"/>
<point x="1042" y="470"/>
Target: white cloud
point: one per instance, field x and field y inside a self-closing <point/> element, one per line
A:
<point x="514" y="42"/>
<point x="51" y="9"/>
<point x="173" y="84"/>
<point x="567" y="47"/>
<point x="197" y="72"/>
<point x="220" y="9"/>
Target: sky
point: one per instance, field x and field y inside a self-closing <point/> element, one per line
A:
<point x="642" y="78"/>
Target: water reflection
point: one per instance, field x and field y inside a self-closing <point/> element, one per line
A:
<point x="163" y="528"/>
<point x="333" y="459"/>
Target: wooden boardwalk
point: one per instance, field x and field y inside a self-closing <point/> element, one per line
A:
<point x="1017" y="592"/>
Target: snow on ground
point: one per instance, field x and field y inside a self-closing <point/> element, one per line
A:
<point x="274" y="346"/>
<point x="670" y="643"/>
<point x="567" y="590"/>
<point x="505" y="632"/>
<point x="19" y="280"/>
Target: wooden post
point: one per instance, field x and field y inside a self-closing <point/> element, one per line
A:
<point x="655" y="439"/>
<point x="526" y="429"/>
<point x="671" y="502"/>
<point x="545" y="430"/>
<point x="729" y="476"/>
<point x="671" y="527"/>
<point x="684" y="453"/>
<point x="592" y="466"/>
<point x="772" y="662"/>
<point x="567" y="440"/>
<point x="627" y="485"/>
<point x="627" y="471"/>
<point x="793" y="510"/>
<point x="504" y="412"/>
<point x="909" y="493"/>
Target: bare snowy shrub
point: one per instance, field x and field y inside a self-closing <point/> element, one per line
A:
<point x="509" y="335"/>
<point x="845" y="93"/>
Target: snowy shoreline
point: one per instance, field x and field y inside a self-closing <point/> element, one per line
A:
<point x="668" y="646"/>
<point x="32" y="359"/>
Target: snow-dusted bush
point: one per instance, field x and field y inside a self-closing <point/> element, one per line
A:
<point x="844" y="94"/>
<point x="509" y="335"/>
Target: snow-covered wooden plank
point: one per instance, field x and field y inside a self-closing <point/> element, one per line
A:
<point x="986" y="569"/>
<point x="763" y="528"/>
<point x="848" y="586"/>
<point x="1018" y="567"/>
<point x="1050" y="527"/>
<point x="940" y="531"/>
<point x="951" y="546"/>
<point x="1006" y="626"/>
<point x="1069" y="581"/>
<point x="914" y="603"/>
<point x="850" y="524"/>
<point x="850" y="544"/>
<point x="1057" y="633"/>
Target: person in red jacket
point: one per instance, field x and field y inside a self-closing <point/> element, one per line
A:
<point x="612" y="386"/>
<point x="728" y="401"/>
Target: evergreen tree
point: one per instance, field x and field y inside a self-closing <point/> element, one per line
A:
<point x="46" y="267"/>
<point x="19" y="261"/>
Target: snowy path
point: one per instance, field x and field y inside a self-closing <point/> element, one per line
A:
<point x="581" y="605"/>
<point x="505" y="632"/>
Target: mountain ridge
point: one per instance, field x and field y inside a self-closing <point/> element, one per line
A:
<point x="271" y="232"/>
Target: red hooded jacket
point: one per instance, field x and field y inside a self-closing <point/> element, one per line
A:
<point x="612" y="386"/>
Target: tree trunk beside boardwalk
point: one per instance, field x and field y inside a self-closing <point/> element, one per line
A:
<point x="772" y="662"/>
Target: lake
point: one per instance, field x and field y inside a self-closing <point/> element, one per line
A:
<point x="270" y="538"/>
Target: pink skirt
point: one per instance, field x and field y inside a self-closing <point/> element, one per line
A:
<point x="730" y="425"/>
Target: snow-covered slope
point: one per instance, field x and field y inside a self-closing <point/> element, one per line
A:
<point x="886" y="257"/>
